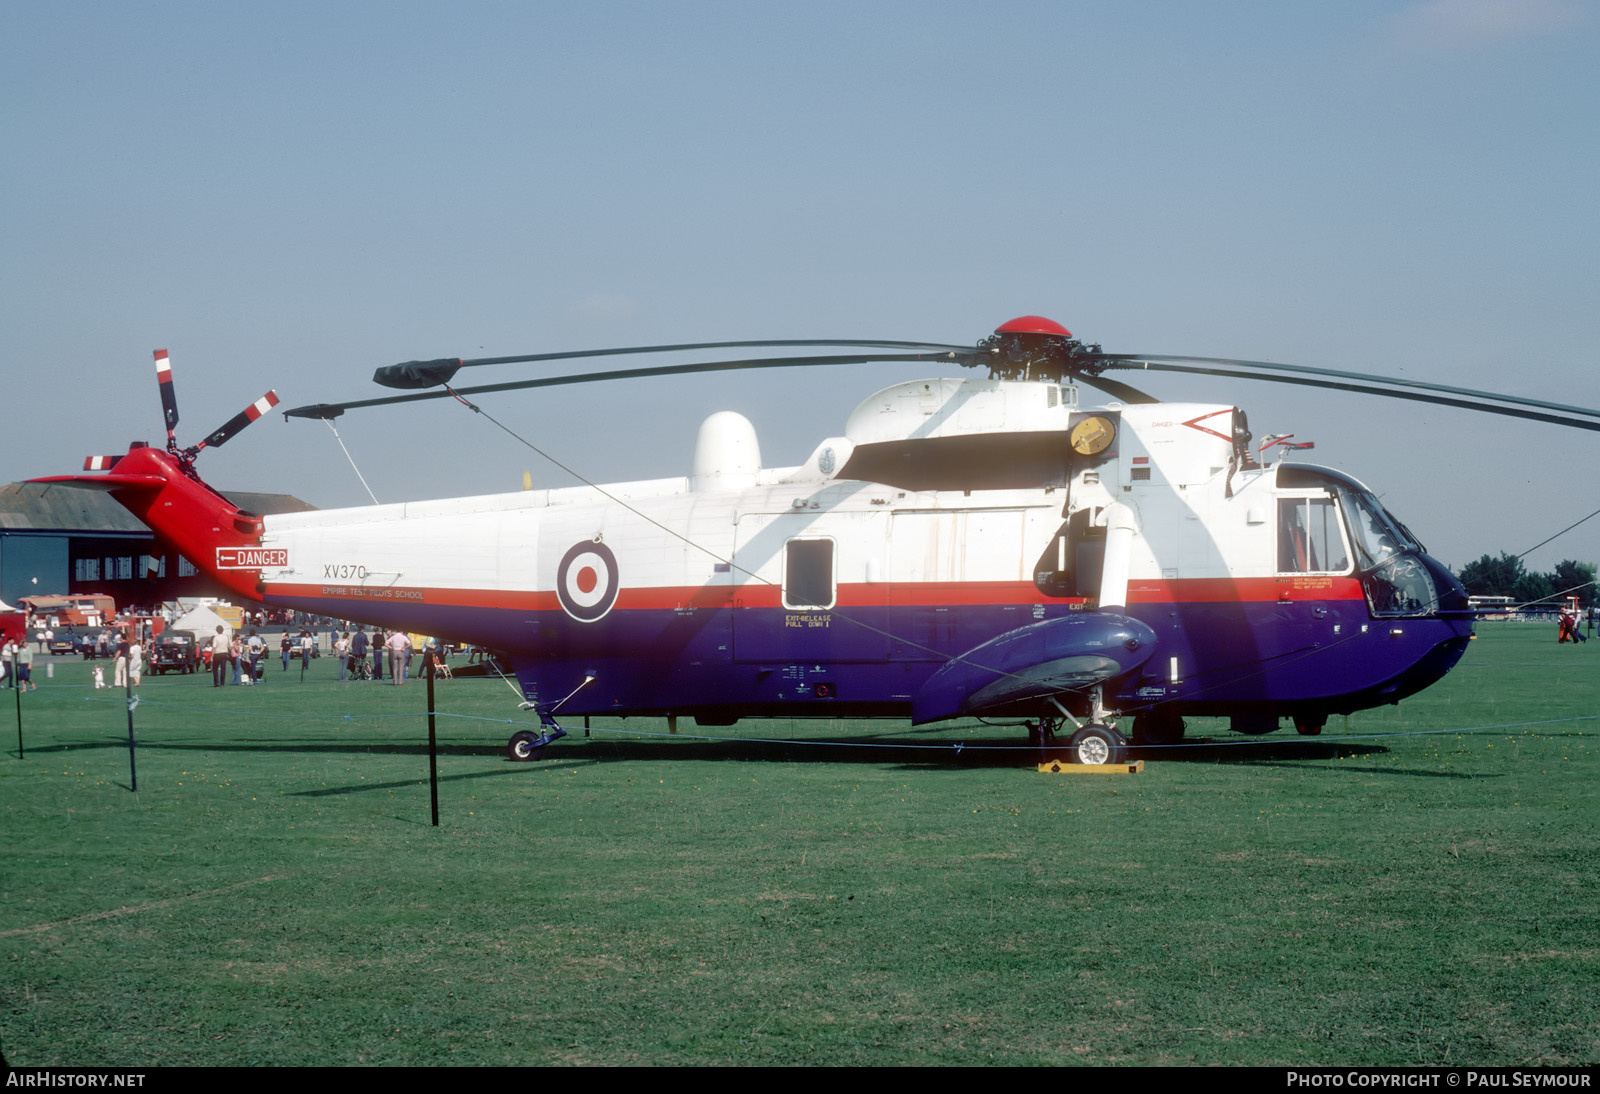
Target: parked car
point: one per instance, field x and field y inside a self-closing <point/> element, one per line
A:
<point x="175" y="651"/>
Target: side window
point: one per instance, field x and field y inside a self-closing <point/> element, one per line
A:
<point x="808" y="573"/>
<point x="1309" y="538"/>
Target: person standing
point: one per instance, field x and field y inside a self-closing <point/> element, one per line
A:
<point x="341" y="650"/>
<point x="25" y="669"/>
<point x="358" y="647"/>
<point x="399" y="650"/>
<point x="219" y="657"/>
<point x="120" y="665"/>
<point x="253" y="651"/>
<point x="308" y="643"/>
<point x="135" y="661"/>
<point x="380" y="652"/>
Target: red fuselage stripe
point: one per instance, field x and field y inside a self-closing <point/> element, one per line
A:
<point x="1191" y="591"/>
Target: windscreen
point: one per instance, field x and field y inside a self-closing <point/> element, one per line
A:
<point x="1396" y="580"/>
<point x="1377" y="536"/>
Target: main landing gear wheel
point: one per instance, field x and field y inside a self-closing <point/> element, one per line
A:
<point x="1096" y="745"/>
<point x="524" y="746"/>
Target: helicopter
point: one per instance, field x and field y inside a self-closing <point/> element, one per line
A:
<point x="991" y="547"/>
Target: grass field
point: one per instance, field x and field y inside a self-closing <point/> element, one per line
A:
<point x="274" y="893"/>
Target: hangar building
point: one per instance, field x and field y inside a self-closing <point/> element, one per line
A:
<point x="56" y="539"/>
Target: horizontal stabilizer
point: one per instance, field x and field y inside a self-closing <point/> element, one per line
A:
<point x="105" y="482"/>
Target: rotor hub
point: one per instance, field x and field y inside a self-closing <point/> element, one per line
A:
<point x="1031" y="347"/>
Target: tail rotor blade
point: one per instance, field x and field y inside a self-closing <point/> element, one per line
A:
<point x="239" y="421"/>
<point x="169" y="398"/>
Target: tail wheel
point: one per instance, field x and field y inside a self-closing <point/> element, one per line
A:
<point x="1096" y="745"/>
<point x="524" y="746"/>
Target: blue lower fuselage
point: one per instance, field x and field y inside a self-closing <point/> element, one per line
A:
<point x="1266" y="648"/>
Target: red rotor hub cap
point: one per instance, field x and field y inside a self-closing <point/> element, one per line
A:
<point x="1033" y="324"/>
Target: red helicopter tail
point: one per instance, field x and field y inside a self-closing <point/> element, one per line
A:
<point x="162" y="490"/>
<point x="206" y="528"/>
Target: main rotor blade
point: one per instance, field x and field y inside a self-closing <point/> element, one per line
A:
<point x="1157" y="362"/>
<point x="333" y="410"/>
<point x="405" y="374"/>
<point x="239" y="421"/>
<point x="169" y="397"/>
<point x="1115" y="388"/>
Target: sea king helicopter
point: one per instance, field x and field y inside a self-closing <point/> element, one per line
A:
<point x="991" y="547"/>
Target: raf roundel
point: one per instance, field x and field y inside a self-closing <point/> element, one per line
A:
<point x="586" y="581"/>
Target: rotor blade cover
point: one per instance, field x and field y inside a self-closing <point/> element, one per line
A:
<point x="418" y="374"/>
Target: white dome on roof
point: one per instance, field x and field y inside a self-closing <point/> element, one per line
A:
<point x="727" y="455"/>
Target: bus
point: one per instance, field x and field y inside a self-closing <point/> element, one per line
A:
<point x="1492" y="607"/>
<point x="74" y="609"/>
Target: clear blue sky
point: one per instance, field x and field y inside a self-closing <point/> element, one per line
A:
<point x="287" y="195"/>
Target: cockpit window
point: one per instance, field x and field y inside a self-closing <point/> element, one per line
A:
<point x="1377" y="536"/>
<point x="1309" y="540"/>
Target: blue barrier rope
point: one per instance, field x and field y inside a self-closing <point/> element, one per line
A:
<point x="958" y="746"/>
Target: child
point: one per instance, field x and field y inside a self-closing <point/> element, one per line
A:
<point x="99" y="677"/>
